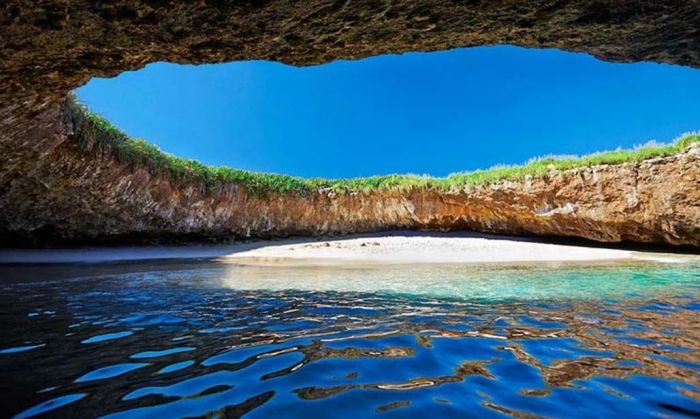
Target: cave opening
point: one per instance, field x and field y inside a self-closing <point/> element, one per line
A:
<point x="206" y="210"/>
<point x="427" y="113"/>
<point x="72" y="176"/>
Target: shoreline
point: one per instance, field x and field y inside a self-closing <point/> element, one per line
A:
<point x="395" y="247"/>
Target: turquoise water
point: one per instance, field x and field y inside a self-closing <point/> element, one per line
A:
<point x="188" y="339"/>
<point x="487" y="282"/>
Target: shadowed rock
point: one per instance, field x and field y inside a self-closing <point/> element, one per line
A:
<point x="53" y="191"/>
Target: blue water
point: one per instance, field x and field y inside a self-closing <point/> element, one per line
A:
<point x="107" y="336"/>
<point x="188" y="339"/>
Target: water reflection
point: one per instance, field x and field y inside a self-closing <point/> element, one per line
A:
<point x="183" y="340"/>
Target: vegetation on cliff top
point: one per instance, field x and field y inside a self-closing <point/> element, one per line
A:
<point x="91" y="130"/>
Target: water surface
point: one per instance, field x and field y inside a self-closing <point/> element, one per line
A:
<point x="187" y="339"/>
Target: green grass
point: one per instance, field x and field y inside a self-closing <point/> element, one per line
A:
<point x="95" y="132"/>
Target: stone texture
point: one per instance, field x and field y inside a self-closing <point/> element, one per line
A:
<point x="51" y="191"/>
<point x="74" y="194"/>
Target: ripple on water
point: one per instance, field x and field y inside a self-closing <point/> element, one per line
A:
<point x="209" y="349"/>
<point x="187" y="388"/>
<point x="241" y="354"/>
<point x="162" y="353"/>
<point x="107" y="336"/>
<point x="549" y="350"/>
<point x="17" y="349"/>
<point x="110" y="371"/>
<point x="175" y="367"/>
<point x="50" y="405"/>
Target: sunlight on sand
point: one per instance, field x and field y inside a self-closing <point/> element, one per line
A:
<point x="390" y="247"/>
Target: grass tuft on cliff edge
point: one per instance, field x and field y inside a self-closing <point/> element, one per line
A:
<point x="93" y="131"/>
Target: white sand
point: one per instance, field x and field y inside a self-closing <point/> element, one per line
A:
<point x="392" y="247"/>
<point x="431" y="249"/>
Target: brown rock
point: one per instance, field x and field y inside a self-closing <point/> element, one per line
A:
<point x="53" y="191"/>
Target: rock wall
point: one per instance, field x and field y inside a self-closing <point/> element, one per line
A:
<point x="52" y="191"/>
<point x="52" y="46"/>
<point x="82" y="194"/>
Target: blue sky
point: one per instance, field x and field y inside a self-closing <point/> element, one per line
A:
<point x="433" y="113"/>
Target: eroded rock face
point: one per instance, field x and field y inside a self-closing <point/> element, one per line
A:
<point x="74" y="194"/>
<point x="52" y="191"/>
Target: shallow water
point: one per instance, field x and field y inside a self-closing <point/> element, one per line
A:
<point x="175" y="339"/>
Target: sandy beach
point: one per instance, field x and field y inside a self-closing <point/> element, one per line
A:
<point x="389" y="247"/>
